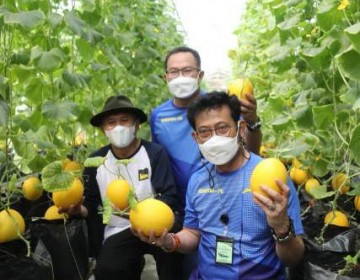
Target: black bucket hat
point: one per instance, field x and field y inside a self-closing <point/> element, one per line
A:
<point x="118" y="103"/>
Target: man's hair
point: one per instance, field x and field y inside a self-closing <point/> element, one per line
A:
<point x="183" y="49"/>
<point x="213" y="100"/>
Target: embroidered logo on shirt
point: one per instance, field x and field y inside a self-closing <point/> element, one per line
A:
<point x="172" y="119"/>
<point x="210" y="190"/>
<point x="143" y="174"/>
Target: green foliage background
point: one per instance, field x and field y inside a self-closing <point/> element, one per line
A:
<point x="304" y="60"/>
<point x="60" y="60"/>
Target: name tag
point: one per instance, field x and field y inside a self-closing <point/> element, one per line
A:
<point x="224" y="250"/>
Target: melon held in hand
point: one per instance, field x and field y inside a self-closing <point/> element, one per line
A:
<point x="151" y="214"/>
<point x="265" y="173"/>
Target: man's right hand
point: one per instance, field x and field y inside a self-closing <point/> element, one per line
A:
<point x="75" y="210"/>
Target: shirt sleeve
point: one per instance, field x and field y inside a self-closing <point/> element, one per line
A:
<point x="162" y="179"/>
<point x="294" y="208"/>
<point x="92" y="201"/>
<point x="152" y="127"/>
<point x="191" y="219"/>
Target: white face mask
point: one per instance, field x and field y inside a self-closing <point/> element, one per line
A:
<point x="183" y="87"/>
<point x="121" y="136"/>
<point x="220" y="149"/>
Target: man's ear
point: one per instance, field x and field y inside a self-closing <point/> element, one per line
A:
<point x="164" y="78"/>
<point x="193" y="134"/>
<point x="137" y="125"/>
<point x="201" y="75"/>
<point x="242" y="128"/>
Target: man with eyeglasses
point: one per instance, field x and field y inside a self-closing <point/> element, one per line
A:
<point x="171" y="129"/>
<point x="238" y="234"/>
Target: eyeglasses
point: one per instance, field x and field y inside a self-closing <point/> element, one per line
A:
<point x="186" y="72"/>
<point x="205" y="133"/>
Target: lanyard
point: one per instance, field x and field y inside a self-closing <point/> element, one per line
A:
<point x="224" y="217"/>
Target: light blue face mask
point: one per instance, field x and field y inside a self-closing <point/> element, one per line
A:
<point x="121" y="136"/>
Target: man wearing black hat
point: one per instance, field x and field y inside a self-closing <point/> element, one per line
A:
<point x="118" y="252"/>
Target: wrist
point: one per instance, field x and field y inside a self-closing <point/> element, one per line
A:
<point x="284" y="233"/>
<point x="83" y="212"/>
<point x="254" y="126"/>
<point x="175" y="244"/>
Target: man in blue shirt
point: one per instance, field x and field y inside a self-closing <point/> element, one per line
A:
<point x="170" y="127"/>
<point x="238" y="234"/>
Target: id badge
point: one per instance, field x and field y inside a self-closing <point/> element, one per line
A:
<point x="224" y="250"/>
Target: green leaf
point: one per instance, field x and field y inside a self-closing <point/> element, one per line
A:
<point x="11" y="186"/>
<point x="303" y="116"/>
<point x="94" y="161"/>
<point x="4" y="84"/>
<point x="307" y="137"/>
<point x="351" y="97"/>
<point x="321" y="192"/>
<point x="75" y="23"/>
<point x="55" y="20"/>
<point x="76" y="80"/>
<point x="65" y="111"/>
<point x="328" y="15"/>
<point x="289" y="23"/>
<point x="106" y="211"/>
<point x="47" y="61"/>
<point x="2" y="156"/>
<point x="319" y="168"/>
<point x="92" y="36"/>
<point x="354" y="144"/>
<point x="353" y="33"/>
<point x="346" y="61"/>
<point x="55" y="179"/>
<point x="37" y="163"/>
<point x="4" y="112"/>
<point x="28" y="19"/>
<point x="21" y="57"/>
<point x="132" y="199"/>
<point x="81" y="28"/>
<point x="276" y="103"/>
<point x="355" y="189"/>
<point x="40" y="138"/>
<point x="295" y="149"/>
<point x="24" y="148"/>
<point x="85" y="49"/>
<point x="35" y="90"/>
<point x="356" y="104"/>
<point x="127" y="38"/>
<point x="323" y="116"/>
<point x="318" y="58"/>
<point x="281" y="123"/>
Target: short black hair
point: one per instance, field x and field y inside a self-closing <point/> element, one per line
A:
<point x="213" y="100"/>
<point x="183" y="49"/>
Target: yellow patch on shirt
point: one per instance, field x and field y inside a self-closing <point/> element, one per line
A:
<point x="143" y="174"/>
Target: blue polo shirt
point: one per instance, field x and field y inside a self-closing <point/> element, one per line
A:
<point x="171" y="129"/>
<point x="254" y="248"/>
